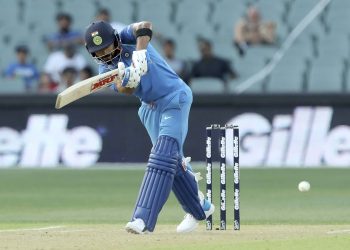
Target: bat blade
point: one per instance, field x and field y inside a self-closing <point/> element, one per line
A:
<point x="85" y="88"/>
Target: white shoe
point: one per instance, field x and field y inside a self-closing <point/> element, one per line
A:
<point x="136" y="227"/>
<point x="188" y="224"/>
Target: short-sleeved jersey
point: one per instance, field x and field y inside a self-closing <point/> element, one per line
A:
<point x="160" y="80"/>
<point x="28" y="72"/>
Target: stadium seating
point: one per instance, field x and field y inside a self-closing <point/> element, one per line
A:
<point x="313" y="60"/>
<point x="15" y="85"/>
<point x="326" y="76"/>
<point x="207" y="86"/>
<point x="287" y="76"/>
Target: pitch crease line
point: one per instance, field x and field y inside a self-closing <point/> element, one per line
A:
<point x="339" y="231"/>
<point x="31" y="229"/>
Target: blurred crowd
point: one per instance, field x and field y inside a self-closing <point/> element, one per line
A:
<point x="65" y="65"/>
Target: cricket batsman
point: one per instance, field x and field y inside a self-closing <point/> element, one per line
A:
<point x="165" y="105"/>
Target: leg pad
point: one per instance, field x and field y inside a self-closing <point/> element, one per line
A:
<point x="157" y="181"/>
<point x="185" y="188"/>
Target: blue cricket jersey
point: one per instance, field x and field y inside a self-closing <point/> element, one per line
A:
<point x="160" y="80"/>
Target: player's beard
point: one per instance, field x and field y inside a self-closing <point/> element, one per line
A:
<point x="108" y="58"/>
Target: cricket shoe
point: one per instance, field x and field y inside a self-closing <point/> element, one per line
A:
<point x="136" y="227"/>
<point x="190" y="223"/>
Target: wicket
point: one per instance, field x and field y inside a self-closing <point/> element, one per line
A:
<point x="209" y="175"/>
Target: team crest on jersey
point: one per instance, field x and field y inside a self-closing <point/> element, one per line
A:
<point x="97" y="40"/>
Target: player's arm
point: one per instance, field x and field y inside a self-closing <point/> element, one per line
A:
<point x="118" y="83"/>
<point x="117" y="86"/>
<point x="123" y="90"/>
<point x="143" y="33"/>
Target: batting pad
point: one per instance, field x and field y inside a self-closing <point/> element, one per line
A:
<point x="158" y="180"/>
<point x="185" y="188"/>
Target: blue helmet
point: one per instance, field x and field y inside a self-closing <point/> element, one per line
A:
<point x="99" y="35"/>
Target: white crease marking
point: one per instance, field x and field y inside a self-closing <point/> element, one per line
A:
<point x="339" y="231"/>
<point x="31" y="229"/>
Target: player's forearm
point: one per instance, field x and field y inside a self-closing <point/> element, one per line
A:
<point x="142" y="41"/>
<point x="131" y="76"/>
<point x="123" y="90"/>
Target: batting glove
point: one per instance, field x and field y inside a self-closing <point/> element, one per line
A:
<point x="131" y="76"/>
<point x="139" y="59"/>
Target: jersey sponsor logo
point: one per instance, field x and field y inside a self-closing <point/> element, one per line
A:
<point x="103" y="82"/>
<point x="46" y="142"/>
<point x="303" y="138"/>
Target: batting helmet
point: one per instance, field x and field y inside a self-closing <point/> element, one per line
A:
<point x="99" y="35"/>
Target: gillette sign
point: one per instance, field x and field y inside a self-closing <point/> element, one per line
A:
<point x="46" y="142"/>
<point x="303" y="138"/>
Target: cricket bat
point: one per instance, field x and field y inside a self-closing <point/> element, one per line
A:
<point x="86" y="87"/>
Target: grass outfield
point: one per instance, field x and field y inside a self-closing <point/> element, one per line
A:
<point x="87" y="209"/>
